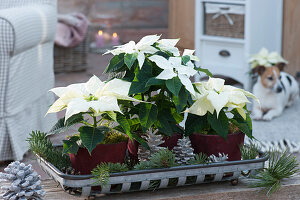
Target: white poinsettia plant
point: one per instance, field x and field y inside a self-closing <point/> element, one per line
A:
<point x="216" y="105"/>
<point x="160" y="75"/>
<point x="266" y="59"/>
<point x="93" y="99"/>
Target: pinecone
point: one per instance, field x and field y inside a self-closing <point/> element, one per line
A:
<point x="70" y="171"/>
<point x="153" y="142"/>
<point x="184" y="151"/>
<point x="24" y="182"/>
<point x="221" y="158"/>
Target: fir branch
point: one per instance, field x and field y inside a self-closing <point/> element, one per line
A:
<point x="102" y="171"/>
<point x="162" y="159"/>
<point x="40" y="144"/>
<point x="249" y="152"/>
<point x="200" y="158"/>
<point x="142" y="165"/>
<point x="281" y="165"/>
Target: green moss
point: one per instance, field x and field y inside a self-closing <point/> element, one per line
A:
<point x="114" y="137"/>
<point x="231" y="129"/>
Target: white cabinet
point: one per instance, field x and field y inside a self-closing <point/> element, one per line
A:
<point x="228" y="32"/>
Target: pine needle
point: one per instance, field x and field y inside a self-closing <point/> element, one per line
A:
<point x="281" y="165"/>
<point x="200" y="158"/>
<point x="102" y="171"/>
<point x="249" y="152"/>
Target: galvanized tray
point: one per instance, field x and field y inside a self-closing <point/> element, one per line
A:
<point x="144" y="179"/>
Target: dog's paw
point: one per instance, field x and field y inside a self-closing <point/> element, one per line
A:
<point x="267" y="117"/>
<point x="255" y="117"/>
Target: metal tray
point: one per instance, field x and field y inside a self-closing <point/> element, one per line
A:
<point x="140" y="180"/>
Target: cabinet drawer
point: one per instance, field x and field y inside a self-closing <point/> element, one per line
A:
<point x="222" y="54"/>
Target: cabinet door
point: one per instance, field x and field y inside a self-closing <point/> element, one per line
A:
<point x="291" y="35"/>
<point x="181" y="22"/>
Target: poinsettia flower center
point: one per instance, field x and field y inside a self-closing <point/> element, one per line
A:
<point x="91" y="98"/>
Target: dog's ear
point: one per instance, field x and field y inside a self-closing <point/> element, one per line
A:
<point x="281" y="66"/>
<point x="260" y="69"/>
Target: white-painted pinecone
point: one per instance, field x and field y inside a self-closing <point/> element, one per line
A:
<point x="153" y="142"/>
<point x="221" y="158"/>
<point x="184" y="151"/>
<point x="24" y="182"/>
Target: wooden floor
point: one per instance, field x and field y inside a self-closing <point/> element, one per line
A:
<point x="215" y="191"/>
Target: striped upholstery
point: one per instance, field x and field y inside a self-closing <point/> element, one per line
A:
<point x="27" y="29"/>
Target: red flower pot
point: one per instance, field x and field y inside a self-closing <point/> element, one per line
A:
<point x="84" y="163"/>
<point x="214" y="144"/>
<point x="170" y="142"/>
<point x="133" y="146"/>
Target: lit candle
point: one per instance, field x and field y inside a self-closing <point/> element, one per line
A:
<point x="115" y="40"/>
<point x="99" y="39"/>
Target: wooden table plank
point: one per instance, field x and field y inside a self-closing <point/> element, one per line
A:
<point x="290" y="190"/>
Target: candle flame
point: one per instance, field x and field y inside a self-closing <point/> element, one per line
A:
<point x="115" y="35"/>
<point x="100" y="32"/>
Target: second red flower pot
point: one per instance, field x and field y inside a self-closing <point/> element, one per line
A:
<point x="215" y="144"/>
<point x="84" y="163"/>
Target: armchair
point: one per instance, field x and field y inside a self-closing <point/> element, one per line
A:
<point x="27" y="29"/>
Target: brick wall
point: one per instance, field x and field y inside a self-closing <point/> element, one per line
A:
<point x="120" y="13"/>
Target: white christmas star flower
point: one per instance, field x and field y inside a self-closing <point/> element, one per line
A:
<point x="266" y="59"/>
<point x="190" y="52"/>
<point x="169" y="46"/>
<point x="172" y="68"/>
<point x="141" y="48"/>
<point x="94" y="95"/>
<point x="214" y="96"/>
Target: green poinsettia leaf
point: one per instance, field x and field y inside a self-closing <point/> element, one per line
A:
<point x="141" y="78"/>
<point x="147" y="115"/>
<point x="164" y="125"/>
<point x="91" y="136"/>
<point x="129" y="74"/>
<point x="174" y="85"/>
<point x="177" y="116"/>
<point x="115" y="63"/>
<point x="206" y="71"/>
<point x="70" y="145"/>
<point x="185" y="59"/>
<point x="62" y="126"/>
<point x="141" y="141"/>
<point x="112" y="115"/>
<point x="195" y="124"/>
<point x="130" y="59"/>
<point x="244" y="125"/>
<point x="125" y="125"/>
<point x="154" y="81"/>
<point x="220" y="124"/>
<point x="180" y="101"/>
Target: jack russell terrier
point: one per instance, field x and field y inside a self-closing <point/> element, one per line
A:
<point x="275" y="90"/>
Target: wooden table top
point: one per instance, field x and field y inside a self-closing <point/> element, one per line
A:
<point x="211" y="191"/>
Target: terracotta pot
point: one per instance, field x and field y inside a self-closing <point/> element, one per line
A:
<point x="84" y="163"/>
<point x="214" y="144"/>
<point x="170" y="142"/>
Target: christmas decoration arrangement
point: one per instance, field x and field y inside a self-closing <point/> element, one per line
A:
<point x="24" y="182"/>
<point x="266" y="59"/>
<point x="136" y="114"/>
